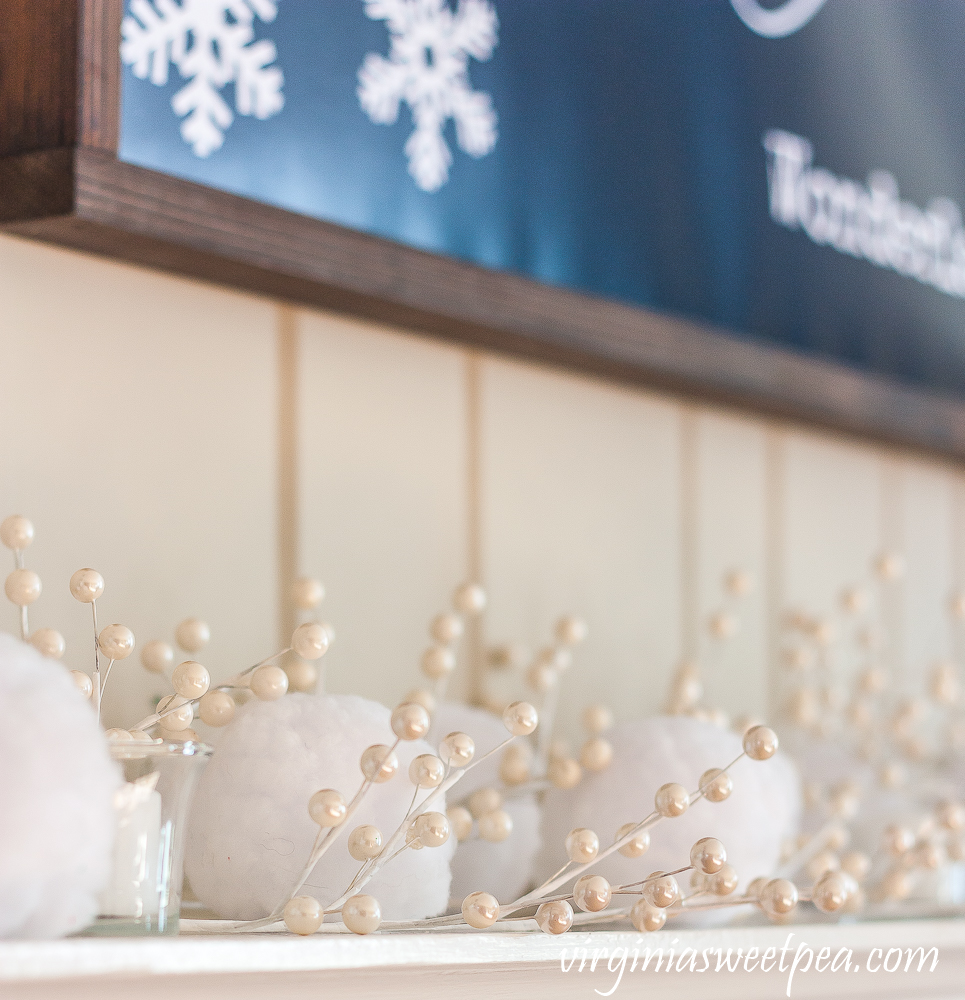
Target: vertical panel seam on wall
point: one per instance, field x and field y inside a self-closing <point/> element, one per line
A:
<point x="958" y="564"/>
<point x="774" y="559"/>
<point x="287" y="485"/>
<point x="894" y="605"/>
<point x="689" y="531"/>
<point x="474" y="542"/>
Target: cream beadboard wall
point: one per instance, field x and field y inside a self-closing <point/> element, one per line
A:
<point x="199" y="447"/>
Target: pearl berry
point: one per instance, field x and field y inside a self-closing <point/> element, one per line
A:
<point x="86" y="585"/>
<point x="520" y="718"/>
<point x="307" y="593"/>
<point x="310" y="641"/>
<point x="327" y="807"/>
<point x="760" y="743"/>
<point x="217" y="709"/>
<point x="410" y="721"/>
<point x="365" y="842"/>
<point x="192" y="635"/>
<point x="555" y="917"/>
<point x="116" y="642"/>
<point x="303" y="915"/>
<point x="16" y="532"/>
<point x="191" y="680"/>
<point x="362" y="914"/>
<point x="638" y="845"/>
<point x="592" y="893"/>
<point x="48" y="642"/>
<point x="22" y="587"/>
<point x="457" y="749"/>
<point x="379" y="763"/>
<point x="480" y="910"/>
<point x="157" y="656"/>
<point x="269" y="683"/>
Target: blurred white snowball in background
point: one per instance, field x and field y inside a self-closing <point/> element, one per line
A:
<point x="763" y="810"/>
<point x="505" y="868"/>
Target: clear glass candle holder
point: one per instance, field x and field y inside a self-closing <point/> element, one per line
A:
<point x="144" y="892"/>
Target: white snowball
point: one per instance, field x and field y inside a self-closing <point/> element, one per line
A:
<point x="250" y="833"/>
<point x="504" y="869"/>
<point x="57" y="783"/>
<point x="763" y="809"/>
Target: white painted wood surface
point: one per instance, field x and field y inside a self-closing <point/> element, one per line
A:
<point x="451" y="965"/>
<point x="382" y="495"/>
<point x="731" y="535"/>
<point x="138" y="416"/>
<point x="580" y="512"/>
<point x="142" y="436"/>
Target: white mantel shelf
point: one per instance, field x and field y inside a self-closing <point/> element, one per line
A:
<point x="467" y="964"/>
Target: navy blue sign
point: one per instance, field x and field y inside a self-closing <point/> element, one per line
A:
<point x="788" y="169"/>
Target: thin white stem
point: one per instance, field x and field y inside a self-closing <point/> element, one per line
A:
<point x="387" y="851"/>
<point x="103" y="688"/>
<point x="556" y="874"/>
<point x="554" y="883"/>
<point x="652" y="878"/>
<point x="97" y="663"/>
<point x="488" y="753"/>
<point x="233" y="681"/>
<point x="238" y="681"/>
<point x="551" y="884"/>
<point x="325" y="840"/>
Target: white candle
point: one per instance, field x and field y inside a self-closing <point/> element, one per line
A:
<point x="133" y="889"/>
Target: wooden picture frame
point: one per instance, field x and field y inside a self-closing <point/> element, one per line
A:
<point x="61" y="182"/>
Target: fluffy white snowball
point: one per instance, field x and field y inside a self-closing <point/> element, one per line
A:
<point x="763" y="809"/>
<point x="503" y="869"/>
<point x="250" y="833"/>
<point x="57" y="783"/>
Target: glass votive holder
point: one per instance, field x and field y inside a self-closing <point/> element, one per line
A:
<point x="143" y="895"/>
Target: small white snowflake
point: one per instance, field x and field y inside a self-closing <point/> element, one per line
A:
<point x="427" y="68"/>
<point x="211" y="43"/>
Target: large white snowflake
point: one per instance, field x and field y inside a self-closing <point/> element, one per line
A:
<point x="211" y="43"/>
<point x="427" y="68"/>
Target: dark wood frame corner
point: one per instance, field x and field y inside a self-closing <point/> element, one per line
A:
<point x="61" y="182"/>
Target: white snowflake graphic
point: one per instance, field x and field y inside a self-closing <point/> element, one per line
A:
<point x="427" y="68"/>
<point x="211" y="44"/>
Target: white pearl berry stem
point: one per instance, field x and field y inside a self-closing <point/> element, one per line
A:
<point x="101" y="688"/>
<point x="237" y="680"/>
<point x="327" y="837"/>
<point x="556" y="881"/>
<point x="556" y="875"/>
<point x="241" y="680"/>
<point x="713" y="904"/>
<point x="630" y="886"/>
<point x="324" y="840"/>
<point x="387" y="852"/>
<point x="365" y="871"/>
<point x="98" y="687"/>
